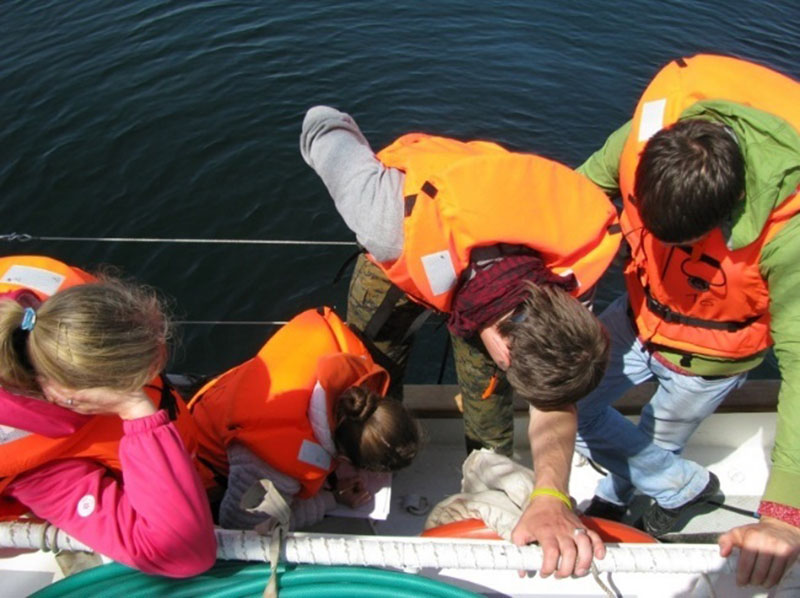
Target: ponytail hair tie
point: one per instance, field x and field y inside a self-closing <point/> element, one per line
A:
<point x="28" y="319"/>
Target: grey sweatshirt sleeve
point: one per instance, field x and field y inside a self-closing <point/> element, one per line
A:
<point x="367" y="194"/>
<point x="245" y="469"/>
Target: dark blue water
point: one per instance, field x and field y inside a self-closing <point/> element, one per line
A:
<point x="180" y="119"/>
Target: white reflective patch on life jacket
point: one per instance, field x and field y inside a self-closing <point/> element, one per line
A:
<point x="9" y="434"/>
<point x="440" y="271"/>
<point x="318" y="418"/>
<point x="38" y="279"/>
<point x="652" y="120"/>
<point x="313" y="454"/>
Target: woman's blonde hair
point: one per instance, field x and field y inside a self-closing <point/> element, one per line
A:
<point x="109" y="333"/>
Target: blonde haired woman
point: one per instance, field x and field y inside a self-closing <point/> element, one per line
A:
<point x="92" y="440"/>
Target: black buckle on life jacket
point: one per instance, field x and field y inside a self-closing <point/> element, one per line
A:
<point x="429" y="189"/>
<point x="408" y="204"/>
<point x="704" y="257"/>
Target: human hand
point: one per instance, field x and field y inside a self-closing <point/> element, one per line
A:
<point x="497" y="346"/>
<point x="549" y="522"/>
<point x="351" y="492"/>
<point x="767" y="550"/>
<point x="98" y="401"/>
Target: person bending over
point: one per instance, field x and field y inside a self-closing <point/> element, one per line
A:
<point x="308" y="405"/>
<point x="505" y="245"/>
<point x="708" y="170"/>
<point x="92" y="437"/>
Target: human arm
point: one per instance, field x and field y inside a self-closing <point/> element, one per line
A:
<point x="245" y="470"/>
<point x="367" y="194"/>
<point x="546" y="519"/>
<point x="779" y="266"/>
<point x="769" y="548"/>
<point x="602" y="167"/>
<point x="156" y="519"/>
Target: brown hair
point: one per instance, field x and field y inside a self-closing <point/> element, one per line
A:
<point x="559" y="349"/>
<point x="109" y="333"/>
<point x="689" y="180"/>
<point x="376" y="433"/>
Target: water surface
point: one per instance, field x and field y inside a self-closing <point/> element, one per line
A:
<point x="181" y="119"/>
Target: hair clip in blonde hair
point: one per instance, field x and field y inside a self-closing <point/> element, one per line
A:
<point x="28" y="319"/>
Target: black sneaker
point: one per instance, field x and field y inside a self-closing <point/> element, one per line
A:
<point x="605" y="510"/>
<point x="658" y="521"/>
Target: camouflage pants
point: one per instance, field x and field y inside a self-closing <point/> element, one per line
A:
<point x="488" y="422"/>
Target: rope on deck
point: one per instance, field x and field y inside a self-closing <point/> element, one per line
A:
<point x="406" y="553"/>
<point x="41" y="536"/>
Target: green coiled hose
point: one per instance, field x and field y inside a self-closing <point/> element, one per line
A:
<point x="236" y="579"/>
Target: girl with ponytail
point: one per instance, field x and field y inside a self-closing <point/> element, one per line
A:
<point x="83" y="443"/>
<point x="373" y="432"/>
<point x="306" y="413"/>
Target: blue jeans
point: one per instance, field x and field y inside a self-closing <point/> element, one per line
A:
<point x="646" y="457"/>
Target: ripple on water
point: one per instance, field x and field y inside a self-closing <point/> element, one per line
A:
<point x="182" y="120"/>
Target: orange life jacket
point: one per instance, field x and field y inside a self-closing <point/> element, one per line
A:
<point x="99" y="438"/>
<point x="460" y="197"/>
<point x="41" y="275"/>
<point x="703" y="298"/>
<point x="263" y="403"/>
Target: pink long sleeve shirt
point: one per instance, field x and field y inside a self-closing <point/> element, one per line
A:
<point x="155" y="519"/>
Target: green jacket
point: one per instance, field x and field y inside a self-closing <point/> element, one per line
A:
<point x="771" y="149"/>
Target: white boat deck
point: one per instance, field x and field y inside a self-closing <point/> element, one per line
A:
<point x="735" y="446"/>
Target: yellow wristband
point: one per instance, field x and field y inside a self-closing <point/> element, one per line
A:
<point x="552" y="492"/>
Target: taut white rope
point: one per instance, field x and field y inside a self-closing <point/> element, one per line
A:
<point x="26" y="237"/>
<point x="38" y="536"/>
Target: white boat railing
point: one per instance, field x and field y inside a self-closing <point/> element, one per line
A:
<point x="404" y="552"/>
